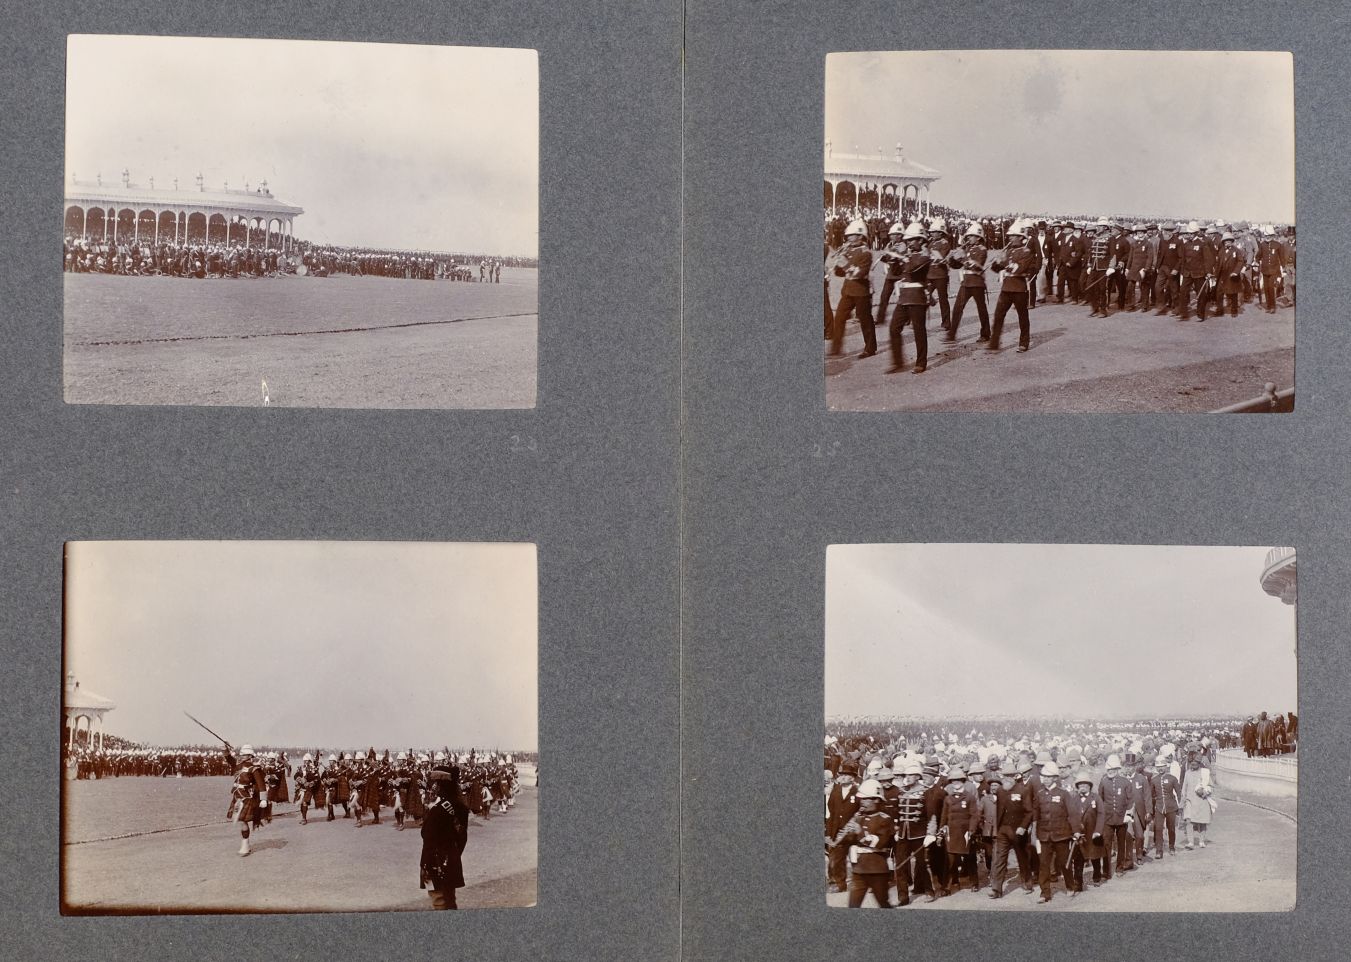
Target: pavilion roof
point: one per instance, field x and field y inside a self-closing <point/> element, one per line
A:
<point x="139" y="197"/>
<point x="879" y="165"/>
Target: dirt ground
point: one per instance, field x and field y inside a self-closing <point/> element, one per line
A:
<point x="1126" y="363"/>
<point x="1248" y="865"/>
<point x="162" y="845"/>
<point x="342" y="341"/>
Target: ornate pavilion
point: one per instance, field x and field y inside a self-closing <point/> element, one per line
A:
<point x="1278" y="575"/>
<point x="80" y="703"/>
<point x="853" y="175"/>
<point x="129" y="212"/>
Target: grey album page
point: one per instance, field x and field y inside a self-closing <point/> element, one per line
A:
<point x="1014" y="541"/>
<point x="339" y="445"/>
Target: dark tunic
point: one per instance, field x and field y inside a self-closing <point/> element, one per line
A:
<point x="445" y="830"/>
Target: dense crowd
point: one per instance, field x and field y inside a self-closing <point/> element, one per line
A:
<point x="1134" y="265"/>
<point x="923" y="809"/>
<point x="202" y="260"/>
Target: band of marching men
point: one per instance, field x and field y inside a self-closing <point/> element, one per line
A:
<point x="924" y="819"/>
<point x="1170" y="268"/>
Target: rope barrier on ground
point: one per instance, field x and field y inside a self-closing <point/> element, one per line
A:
<point x="335" y="330"/>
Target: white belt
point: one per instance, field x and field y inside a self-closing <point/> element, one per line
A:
<point x="910" y="284"/>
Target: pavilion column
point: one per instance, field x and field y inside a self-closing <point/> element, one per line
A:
<point x="248" y="231"/>
<point x="157" y="213"/>
<point x="227" y="244"/>
<point x="70" y="738"/>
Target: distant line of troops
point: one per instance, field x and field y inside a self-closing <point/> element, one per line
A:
<point x="925" y="828"/>
<point x="1140" y="267"/>
<point x="237" y="260"/>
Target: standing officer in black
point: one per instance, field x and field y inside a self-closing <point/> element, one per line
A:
<point x="445" y="830"/>
<point x="1019" y="268"/>
<point x="1071" y="248"/>
<point x="916" y="828"/>
<point x="854" y="262"/>
<point x="1013" y="815"/>
<point x="912" y="304"/>
<point x="1052" y="810"/>
<point x="1166" y="267"/>
<point x="1197" y="268"/>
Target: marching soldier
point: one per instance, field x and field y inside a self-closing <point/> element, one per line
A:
<point x="890" y="256"/>
<point x="1017" y="264"/>
<point x="1196" y="268"/>
<point x="1139" y="261"/>
<point x="1229" y="269"/>
<point x="854" y="262"/>
<point x="1144" y="805"/>
<point x="916" y="829"/>
<point x="912" y="303"/>
<point x="937" y="279"/>
<point x="1013" y="815"/>
<point x="1167" y="798"/>
<point x="1071" y="251"/>
<point x="1052" y="811"/>
<point x="246" y="793"/>
<point x="1099" y="267"/>
<point x="337" y="787"/>
<point x="869" y="835"/>
<point x="1117" y="795"/>
<point x="1271" y="261"/>
<point x="959" y="822"/>
<point x="970" y="261"/>
<point x="308" y="786"/>
<point x="1167" y="270"/>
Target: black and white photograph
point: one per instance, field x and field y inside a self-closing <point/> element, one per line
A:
<point x="1057" y="727"/>
<point x="291" y="726"/>
<point x="300" y="223"/>
<point x="1060" y="231"/>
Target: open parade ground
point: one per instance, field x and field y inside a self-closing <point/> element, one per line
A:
<point x="1126" y="363"/>
<point x="163" y="845"/>
<point x="338" y="341"/>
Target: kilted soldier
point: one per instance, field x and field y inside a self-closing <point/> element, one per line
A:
<point x="854" y="262"/>
<point x="1167" y="799"/>
<point x="915" y="830"/>
<point x="1196" y="267"/>
<point x="309" y="786"/>
<point x="1271" y="261"/>
<point x="868" y="837"/>
<point x="246" y="794"/>
<point x="1052" y="811"/>
<point x="337" y="786"/>
<point x="912" y="303"/>
<point x="969" y="261"/>
<point x="403" y="785"/>
<point x="445" y="832"/>
<point x="937" y="279"/>
<point x="1018" y="265"/>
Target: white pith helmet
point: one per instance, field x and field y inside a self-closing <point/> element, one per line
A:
<point x="914" y="230"/>
<point x="856" y="227"/>
<point x="940" y="226"/>
<point x="245" y="750"/>
<point x="973" y="230"/>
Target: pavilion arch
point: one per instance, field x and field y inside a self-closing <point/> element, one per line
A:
<point x="145" y="225"/>
<point x="125" y="225"/>
<point x="217" y="229"/>
<point x="846" y="194"/>
<point x="96" y="223"/>
<point x="196" y="227"/>
<point x="75" y="220"/>
<point x="166" y="226"/>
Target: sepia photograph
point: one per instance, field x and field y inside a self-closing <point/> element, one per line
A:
<point x="290" y="726"/>
<point x="1056" y="727"/>
<point x="300" y="223"/>
<point x="1060" y="231"/>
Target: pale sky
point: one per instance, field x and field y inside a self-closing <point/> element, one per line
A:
<point x="953" y="630"/>
<point x="384" y="145"/>
<point x="333" y="644"/>
<point x="1115" y="133"/>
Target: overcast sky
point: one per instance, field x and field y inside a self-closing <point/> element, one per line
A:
<point x="1115" y="133"/>
<point x="384" y="145"/>
<point x="332" y="644"/>
<point x="943" y="630"/>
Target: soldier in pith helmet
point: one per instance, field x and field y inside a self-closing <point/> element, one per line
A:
<point x="246" y="793"/>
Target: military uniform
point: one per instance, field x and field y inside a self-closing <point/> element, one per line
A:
<point x="936" y="280"/>
<point x="911" y="307"/>
<point x="1270" y="261"/>
<point x="913" y="824"/>
<point x="1117" y="795"/>
<point x="1196" y="266"/>
<point x="1166" y="793"/>
<point x="1166" y="267"/>
<point x="1019" y="268"/>
<point x="970" y="262"/>
<point x="869" y="838"/>
<point x="1053" y="812"/>
<point x="856" y="262"/>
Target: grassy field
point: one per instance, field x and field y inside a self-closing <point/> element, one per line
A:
<point x="357" y="342"/>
